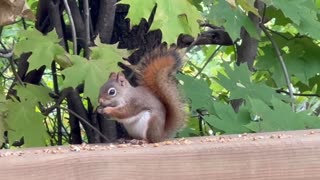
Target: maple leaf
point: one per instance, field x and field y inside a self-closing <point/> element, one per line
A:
<point x="279" y="117"/>
<point x="238" y="82"/>
<point x="44" y="48"/>
<point x="302" y="13"/>
<point x="172" y="17"/>
<point x="233" y="19"/>
<point x="196" y="90"/>
<point x="23" y="120"/>
<point x="34" y="93"/>
<point x="93" y="72"/>
<point x="227" y="120"/>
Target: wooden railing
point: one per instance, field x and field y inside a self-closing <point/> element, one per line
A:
<point x="278" y="155"/>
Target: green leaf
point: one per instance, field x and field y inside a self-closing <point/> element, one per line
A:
<point x="192" y="128"/>
<point x="302" y="13"/>
<point x="105" y="51"/>
<point x="248" y="6"/>
<point x="232" y="19"/>
<point x="238" y="82"/>
<point x="95" y="72"/>
<point x="279" y="117"/>
<point x="43" y="48"/>
<point x="227" y="120"/>
<point x="197" y="4"/>
<point x="302" y="60"/>
<point x="23" y="120"/>
<point x="34" y="93"/>
<point x="197" y="91"/>
<point x="279" y="18"/>
<point x="172" y="17"/>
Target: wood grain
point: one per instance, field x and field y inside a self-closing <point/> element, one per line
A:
<point x="280" y="155"/>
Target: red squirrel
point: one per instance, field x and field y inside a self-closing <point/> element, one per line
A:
<point x="154" y="110"/>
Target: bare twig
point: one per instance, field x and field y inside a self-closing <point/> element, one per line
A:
<point x="297" y="94"/>
<point x="283" y="36"/>
<point x="45" y="112"/>
<point x="24" y="23"/>
<point x="209" y="60"/>
<point x="84" y="121"/>
<point x="13" y="68"/>
<point x="6" y="54"/>
<point x="283" y="65"/>
<point x="5" y="69"/>
<point x="56" y="90"/>
<point x="73" y="29"/>
<point x="2" y="45"/>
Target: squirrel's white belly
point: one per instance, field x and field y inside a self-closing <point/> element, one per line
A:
<point x="137" y="125"/>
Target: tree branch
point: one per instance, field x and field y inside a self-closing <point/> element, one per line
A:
<point x="85" y="122"/>
<point x="12" y="65"/>
<point x="211" y="36"/>
<point x="87" y="28"/>
<point x="73" y="29"/>
<point x="106" y="19"/>
<point x="6" y="53"/>
<point x="283" y="65"/>
<point x="56" y="90"/>
<point x="297" y="94"/>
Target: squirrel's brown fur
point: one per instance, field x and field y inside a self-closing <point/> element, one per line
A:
<point x="157" y="71"/>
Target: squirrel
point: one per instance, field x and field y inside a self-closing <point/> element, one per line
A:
<point x="154" y="110"/>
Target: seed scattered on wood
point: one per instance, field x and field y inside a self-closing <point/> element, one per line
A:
<point x="122" y="145"/>
<point x="75" y="148"/>
<point x="168" y="142"/>
<point x="136" y="146"/>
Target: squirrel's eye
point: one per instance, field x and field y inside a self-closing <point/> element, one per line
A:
<point x="112" y="92"/>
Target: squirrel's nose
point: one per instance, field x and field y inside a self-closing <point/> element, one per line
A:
<point x="100" y="100"/>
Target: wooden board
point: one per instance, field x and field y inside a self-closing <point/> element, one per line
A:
<point x="280" y="155"/>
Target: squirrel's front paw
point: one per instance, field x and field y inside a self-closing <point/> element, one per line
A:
<point x="108" y="110"/>
<point x="105" y="110"/>
<point x="100" y="109"/>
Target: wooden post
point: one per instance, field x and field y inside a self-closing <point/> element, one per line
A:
<point x="279" y="155"/>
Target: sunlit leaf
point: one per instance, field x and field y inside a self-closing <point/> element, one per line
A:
<point x="279" y="117"/>
<point x="227" y="120"/>
<point x="24" y="121"/>
<point x="95" y="72"/>
<point x="43" y="48"/>
<point x="232" y="19"/>
<point x="172" y="17"/>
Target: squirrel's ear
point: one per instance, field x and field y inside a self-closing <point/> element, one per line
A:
<point x="121" y="79"/>
<point x="113" y="75"/>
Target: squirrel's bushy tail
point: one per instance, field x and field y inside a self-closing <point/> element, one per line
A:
<point x="157" y="71"/>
